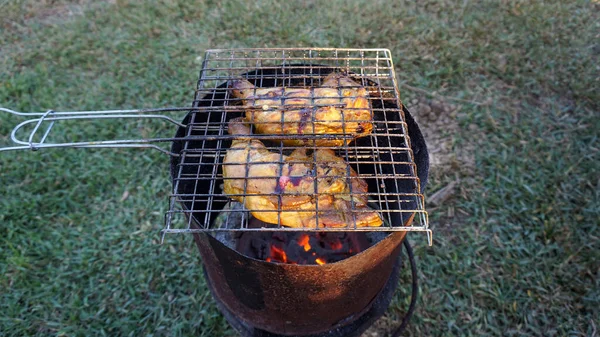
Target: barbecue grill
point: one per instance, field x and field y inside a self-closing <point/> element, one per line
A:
<point x="393" y="167"/>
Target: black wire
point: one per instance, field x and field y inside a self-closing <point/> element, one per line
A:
<point x="415" y="290"/>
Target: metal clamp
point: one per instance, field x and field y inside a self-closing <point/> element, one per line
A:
<point x="37" y="126"/>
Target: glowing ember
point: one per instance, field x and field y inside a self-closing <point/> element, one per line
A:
<point x="324" y="248"/>
<point x="302" y="248"/>
<point x="337" y="245"/>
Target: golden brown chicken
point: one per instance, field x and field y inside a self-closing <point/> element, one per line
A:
<point x="338" y="108"/>
<point x="266" y="182"/>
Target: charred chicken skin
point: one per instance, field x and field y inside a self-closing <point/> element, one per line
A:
<point x="338" y="107"/>
<point x="266" y="182"/>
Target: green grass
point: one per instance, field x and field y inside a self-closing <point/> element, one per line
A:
<point x="519" y="257"/>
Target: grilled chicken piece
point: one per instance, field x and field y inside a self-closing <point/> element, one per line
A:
<point x="340" y="106"/>
<point x="267" y="181"/>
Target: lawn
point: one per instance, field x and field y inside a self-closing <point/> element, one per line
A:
<point x="508" y="93"/>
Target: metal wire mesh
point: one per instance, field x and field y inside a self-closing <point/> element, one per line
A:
<point x="382" y="158"/>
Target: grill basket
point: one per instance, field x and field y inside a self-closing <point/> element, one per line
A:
<point x="384" y="159"/>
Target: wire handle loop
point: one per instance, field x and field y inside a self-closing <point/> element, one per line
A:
<point x="51" y="117"/>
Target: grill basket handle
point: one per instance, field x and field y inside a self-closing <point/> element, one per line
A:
<point x="43" y="123"/>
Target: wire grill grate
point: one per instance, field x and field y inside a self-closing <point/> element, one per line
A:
<point x="383" y="159"/>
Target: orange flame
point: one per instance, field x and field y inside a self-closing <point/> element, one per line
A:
<point x="320" y="261"/>
<point x="303" y="241"/>
<point x="278" y="254"/>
